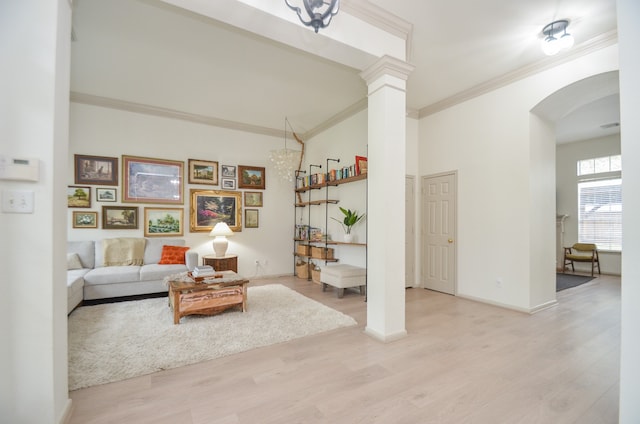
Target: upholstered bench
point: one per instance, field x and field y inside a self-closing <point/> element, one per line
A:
<point x="343" y="277"/>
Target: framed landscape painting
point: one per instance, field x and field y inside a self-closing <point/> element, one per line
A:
<point x="251" y="218"/>
<point x="163" y="222"/>
<point x="147" y="180"/>
<point x="100" y="170"/>
<point x="251" y="177"/>
<point x="85" y="219"/>
<point x="253" y="198"/>
<point x="208" y="207"/>
<point x="106" y="194"/>
<point x="78" y="197"/>
<point x="119" y="217"/>
<point x="203" y="172"/>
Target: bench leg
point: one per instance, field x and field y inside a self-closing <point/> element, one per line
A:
<point x="340" y="293"/>
<point x="324" y="286"/>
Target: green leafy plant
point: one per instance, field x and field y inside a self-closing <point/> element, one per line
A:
<point x="351" y="218"/>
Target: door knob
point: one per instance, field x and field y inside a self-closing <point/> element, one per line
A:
<point x="450" y="240"/>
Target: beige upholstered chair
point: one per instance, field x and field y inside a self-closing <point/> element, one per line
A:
<point x="581" y="252"/>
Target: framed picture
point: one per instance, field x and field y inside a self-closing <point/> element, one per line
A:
<point x="106" y="194"/>
<point x="147" y="180"/>
<point x="228" y="183"/>
<point x="253" y="198"/>
<point x="119" y="217"/>
<point x="78" y="197"/>
<point x="208" y="207"/>
<point x="85" y="219"/>
<point x="228" y="171"/>
<point x="163" y="222"/>
<point x="251" y="177"/>
<point x="251" y="218"/>
<point x="203" y="172"/>
<point x="96" y="170"/>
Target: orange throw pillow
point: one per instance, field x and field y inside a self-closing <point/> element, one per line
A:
<point x="173" y="255"/>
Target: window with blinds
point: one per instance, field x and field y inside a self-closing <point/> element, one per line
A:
<point x="600" y="213"/>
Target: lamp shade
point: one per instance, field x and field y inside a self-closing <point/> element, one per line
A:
<point x="221" y="231"/>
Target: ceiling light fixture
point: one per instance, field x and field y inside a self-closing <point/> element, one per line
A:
<point x="553" y="40"/>
<point x="286" y="161"/>
<point x="320" y="12"/>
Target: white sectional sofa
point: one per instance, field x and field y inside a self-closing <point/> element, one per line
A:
<point x="90" y="279"/>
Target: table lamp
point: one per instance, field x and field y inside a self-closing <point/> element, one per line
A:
<point x="221" y="231"/>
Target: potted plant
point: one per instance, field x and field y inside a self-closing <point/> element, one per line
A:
<point x="351" y="218"/>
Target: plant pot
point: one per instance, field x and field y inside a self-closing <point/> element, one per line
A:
<point x="349" y="238"/>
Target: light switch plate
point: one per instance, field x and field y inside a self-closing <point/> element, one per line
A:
<point x="16" y="201"/>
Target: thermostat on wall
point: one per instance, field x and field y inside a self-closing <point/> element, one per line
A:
<point x="21" y="169"/>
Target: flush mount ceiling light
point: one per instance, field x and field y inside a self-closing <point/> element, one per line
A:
<point x="319" y="12"/>
<point x="556" y="37"/>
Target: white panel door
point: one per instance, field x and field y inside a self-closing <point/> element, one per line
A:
<point x="438" y="233"/>
<point x="409" y="232"/>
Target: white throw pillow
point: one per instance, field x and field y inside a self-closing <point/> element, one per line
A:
<point x="73" y="261"/>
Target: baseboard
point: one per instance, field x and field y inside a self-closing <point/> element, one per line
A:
<point x="66" y="415"/>
<point x="533" y="310"/>
<point x="388" y="338"/>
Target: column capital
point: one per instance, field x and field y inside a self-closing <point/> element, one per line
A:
<point x="387" y="65"/>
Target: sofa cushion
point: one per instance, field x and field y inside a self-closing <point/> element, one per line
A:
<point x="85" y="251"/>
<point x="73" y="261"/>
<point x="172" y="255"/>
<point x="158" y="272"/>
<point x="153" y="249"/>
<point x="113" y="274"/>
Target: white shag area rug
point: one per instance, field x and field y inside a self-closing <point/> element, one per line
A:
<point x="116" y="341"/>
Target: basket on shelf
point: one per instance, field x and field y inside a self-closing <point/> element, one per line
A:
<point x="303" y="249"/>
<point x="321" y="252"/>
<point x="315" y="274"/>
<point x="302" y="270"/>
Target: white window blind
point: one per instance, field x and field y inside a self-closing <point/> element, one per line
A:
<point x="600" y="213"/>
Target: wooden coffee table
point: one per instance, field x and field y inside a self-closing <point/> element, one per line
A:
<point x="207" y="296"/>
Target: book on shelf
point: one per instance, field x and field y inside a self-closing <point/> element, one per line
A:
<point x="360" y="165"/>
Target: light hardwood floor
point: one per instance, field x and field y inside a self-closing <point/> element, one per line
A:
<point x="462" y="362"/>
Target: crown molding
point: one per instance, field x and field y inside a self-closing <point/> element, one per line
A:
<point x="378" y="17"/>
<point x="337" y="118"/>
<point x="382" y="19"/>
<point x="604" y="40"/>
<point x="90" y="99"/>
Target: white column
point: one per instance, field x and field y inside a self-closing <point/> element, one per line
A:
<point x="386" y="81"/>
<point x="629" y="37"/>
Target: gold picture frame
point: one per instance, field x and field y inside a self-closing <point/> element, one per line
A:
<point x="208" y="207"/>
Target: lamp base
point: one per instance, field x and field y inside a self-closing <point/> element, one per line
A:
<point x="220" y="245"/>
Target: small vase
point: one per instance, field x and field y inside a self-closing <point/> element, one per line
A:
<point x="348" y="238"/>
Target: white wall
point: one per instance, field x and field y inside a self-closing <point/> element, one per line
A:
<point x="35" y="39"/>
<point x="488" y="140"/>
<point x="109" y="132"/>
<point x="567" y="191"/>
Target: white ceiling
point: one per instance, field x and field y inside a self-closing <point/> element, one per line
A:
<point x="146" y="52"/>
